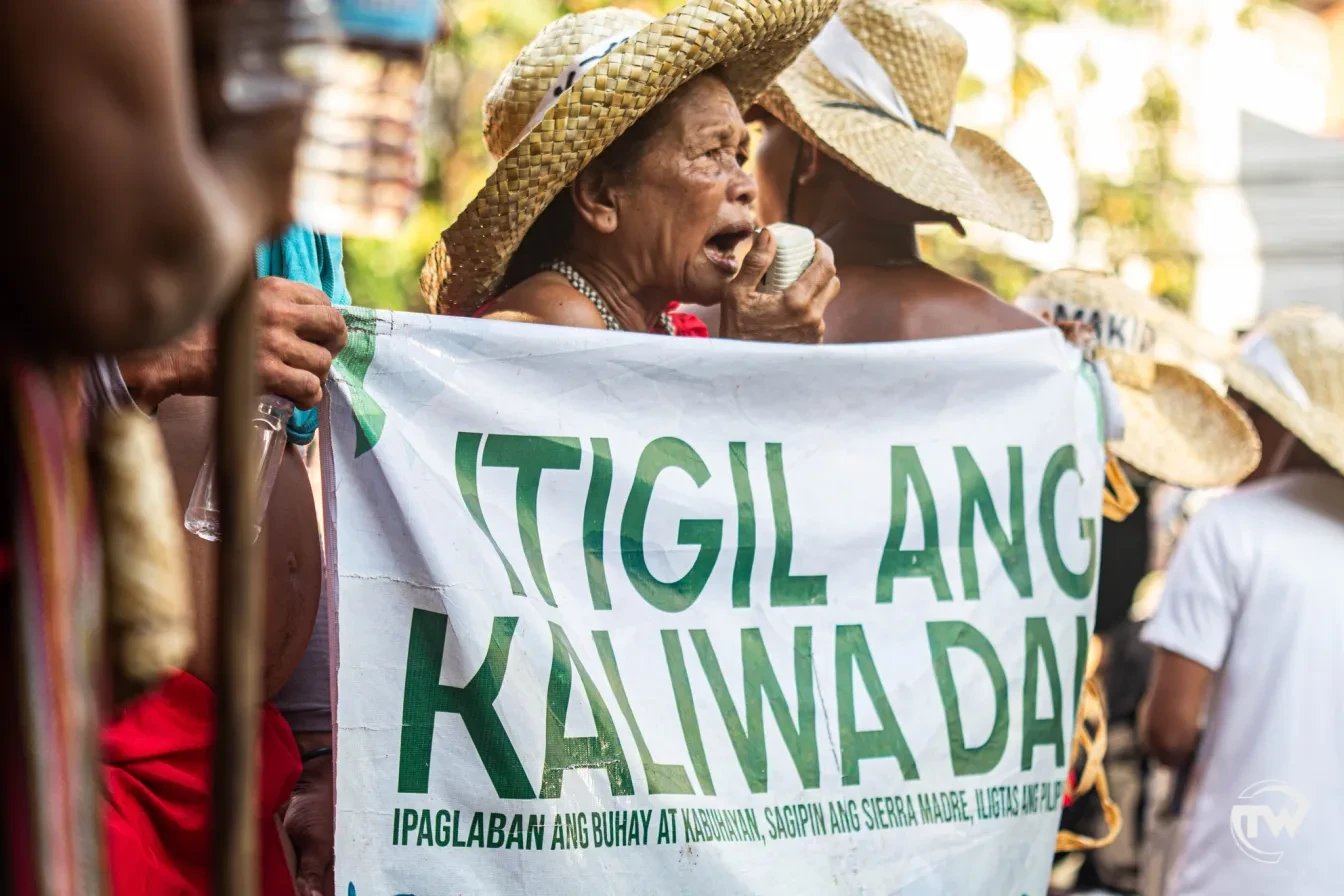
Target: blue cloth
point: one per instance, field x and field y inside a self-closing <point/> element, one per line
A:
<point x="305" y="257"/>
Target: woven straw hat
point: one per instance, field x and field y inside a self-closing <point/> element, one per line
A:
<point x="1308" y="397"/>
<point x="746" y="42"/>
<point x="901" y="140"/>
<point x="1177" y="428"/>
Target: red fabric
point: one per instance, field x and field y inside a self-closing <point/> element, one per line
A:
<point x="687" y="324"/>
<point x="683" y="323"/>
<point x="1068" y="789"/>
<point x="157" y="767"/>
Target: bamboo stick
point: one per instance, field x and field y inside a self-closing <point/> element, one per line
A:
<point x="239" y="608"/>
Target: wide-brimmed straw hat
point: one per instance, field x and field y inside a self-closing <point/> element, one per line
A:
<point x="1292" y="366"/>
<point x="876" y="90"/>
<point x="1178" y="429"/>
<point x="580" y="84"/>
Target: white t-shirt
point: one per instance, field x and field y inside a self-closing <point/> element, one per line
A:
<point x="1255" y="592"/>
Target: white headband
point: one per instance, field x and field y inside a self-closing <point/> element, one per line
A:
<point x="1259" y="351"/>
<point x="849" y="61"/>
<point x="835" y="47"/>
<point x="579" y="66"/>
<point x="1120" y="332"/>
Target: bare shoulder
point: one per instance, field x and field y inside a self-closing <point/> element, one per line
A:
<point x="940" y="304"/>
<point x="546" y="298"/>
<point x="916" y="302"/>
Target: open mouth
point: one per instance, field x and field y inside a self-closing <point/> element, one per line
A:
<point x="721" y="249"/>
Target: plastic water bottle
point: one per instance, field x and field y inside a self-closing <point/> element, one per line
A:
<point x="359" y="168"/>
<point x="268" y="423"/>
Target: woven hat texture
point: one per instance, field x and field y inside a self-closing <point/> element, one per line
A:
<point x="1178" y="429"/>
<point x="746" y="42"/>
<point x="1311" y="340"/>
<point x="969" y="176"/>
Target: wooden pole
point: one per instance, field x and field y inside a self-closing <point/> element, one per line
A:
<point x="239" y="607"/>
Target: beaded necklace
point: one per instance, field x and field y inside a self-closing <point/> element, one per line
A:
<point x="586" y="290"/>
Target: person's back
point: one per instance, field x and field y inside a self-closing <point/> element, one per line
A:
<point x="1256" y="593"/>
<point x="915" y="301"/>
<point x="912" y="301"/>
<point x="858" y="143"/>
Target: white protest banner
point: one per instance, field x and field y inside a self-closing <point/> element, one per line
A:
<point x="623" y="613"/>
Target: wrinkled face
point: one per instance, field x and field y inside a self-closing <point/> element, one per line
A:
<point x="685" y="204"/>
<point x="775" y="159"/>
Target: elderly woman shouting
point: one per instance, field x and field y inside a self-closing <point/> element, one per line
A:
<point x="620" y="191"/>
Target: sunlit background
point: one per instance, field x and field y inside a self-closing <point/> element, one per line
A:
<point x="1194" y="147"/>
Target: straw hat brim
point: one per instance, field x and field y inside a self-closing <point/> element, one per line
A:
<point x="1321" y="430"/>
<point x="1178" y="428"/>
<point x="747" y="42"/>
<point x="1182" y="432"/>
<point x="1096" y="290"/>
<point x="970" y="176"/>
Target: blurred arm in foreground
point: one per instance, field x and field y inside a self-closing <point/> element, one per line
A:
<point x="134" y="214"/>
